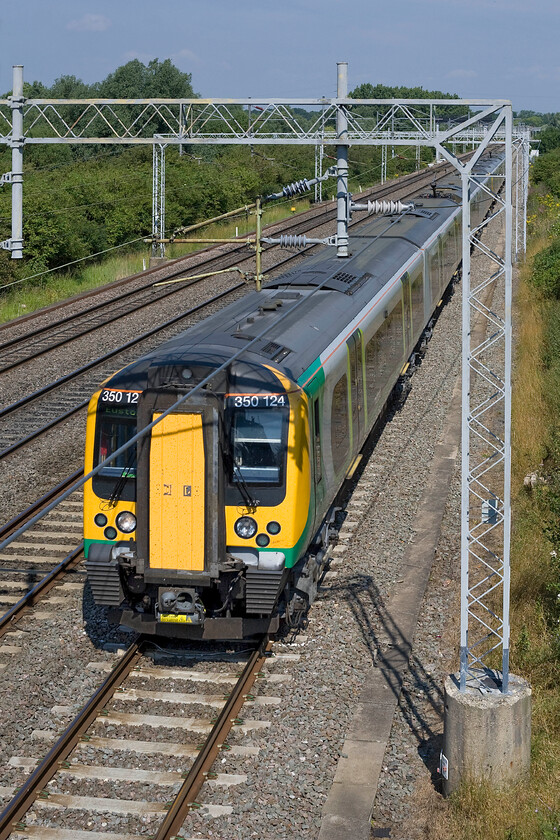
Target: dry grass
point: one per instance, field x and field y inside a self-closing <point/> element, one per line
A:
<point x="530" y="808"/>
<point x="430" y="813"/>
<point x="29" y="297"/>
<point x="483" y="813"/>
<point x="530" y="410"/>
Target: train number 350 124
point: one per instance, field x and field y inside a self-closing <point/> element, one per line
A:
<point x="257" y="400"/>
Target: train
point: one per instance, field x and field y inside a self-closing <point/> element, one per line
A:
<point x="215" y="524"/>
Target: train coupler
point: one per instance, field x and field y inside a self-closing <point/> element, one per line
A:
<point x="179" y="606"/>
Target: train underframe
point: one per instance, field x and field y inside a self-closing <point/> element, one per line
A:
<point x="243" y="601"/>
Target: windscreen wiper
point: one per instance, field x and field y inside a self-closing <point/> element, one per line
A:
<point x="232" y="468"/>
<point x="244" y="488"/>
<point x="128" y="472"/>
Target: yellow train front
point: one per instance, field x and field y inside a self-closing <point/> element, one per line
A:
<point x="192" y="532"/>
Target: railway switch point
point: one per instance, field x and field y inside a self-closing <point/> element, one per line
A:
<point x="486" y="735"/>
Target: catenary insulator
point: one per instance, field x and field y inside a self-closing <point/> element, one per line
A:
<point x="296" y="188"/>
<point x="292" y="241"/>
<point x="388" y="207"/>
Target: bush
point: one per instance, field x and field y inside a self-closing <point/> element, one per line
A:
<point x="546" y="271"/>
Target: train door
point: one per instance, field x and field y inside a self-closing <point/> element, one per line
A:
<point x="180" y="490"/>
<point x="355" y="355"/>
<point x="407" y="313"/>
<point x="177" y="493"/>
<point x="318" y="472"/>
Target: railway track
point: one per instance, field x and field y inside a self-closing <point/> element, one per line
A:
<point x="100" y="767"/>
<point x="41" y="558"/>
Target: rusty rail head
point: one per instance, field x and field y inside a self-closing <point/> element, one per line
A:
<point x="179" y="810"/>
<point x="26" y="514"/>
<point x="25" y="797"/>
<point x="27" y="601"/>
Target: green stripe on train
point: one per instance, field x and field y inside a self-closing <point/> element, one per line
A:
<point x="312" y="379"/>
<point x="89" y="543"/>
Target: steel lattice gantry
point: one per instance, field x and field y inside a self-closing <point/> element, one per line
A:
<point x="486" y="430"/>
<point x="342" y="122"/>
<point x="158" y="198"/>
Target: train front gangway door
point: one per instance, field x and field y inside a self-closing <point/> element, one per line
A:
<point x="177" y="493"/>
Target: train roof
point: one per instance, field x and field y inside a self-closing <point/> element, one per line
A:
<point x="303" y="310"/>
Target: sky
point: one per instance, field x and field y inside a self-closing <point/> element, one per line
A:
<point x="504" y="49"/>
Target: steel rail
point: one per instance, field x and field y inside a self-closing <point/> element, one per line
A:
<point x="48" y="582"/>
<point x="24" y="798"/>
<point x="20" y="518"/>
<point x="196" y="776"/>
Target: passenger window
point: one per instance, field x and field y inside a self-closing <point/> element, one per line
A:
<point x="373" y="374"/>
<point x="435" y="279"/>
<point x="384" y="356"/>
<point x="317" y="441"/>
<point x="418" y="300"/>
<point x="340" y="432"/>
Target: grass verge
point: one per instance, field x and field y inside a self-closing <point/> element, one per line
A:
<point x="530" y="808"/>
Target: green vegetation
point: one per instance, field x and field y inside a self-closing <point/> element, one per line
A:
<point x="84" y="200"/>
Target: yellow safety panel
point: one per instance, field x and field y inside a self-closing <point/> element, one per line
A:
<point x="177" y="493"/>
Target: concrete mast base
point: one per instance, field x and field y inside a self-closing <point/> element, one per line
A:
<point x="486" y="735"/>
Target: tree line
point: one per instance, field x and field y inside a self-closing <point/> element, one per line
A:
<point x="83" y="199"/>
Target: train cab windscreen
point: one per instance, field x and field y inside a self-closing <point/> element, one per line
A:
<point x="258" y="440"/>
<point x="115" y="427"/>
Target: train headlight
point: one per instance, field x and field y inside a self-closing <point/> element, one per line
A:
<point x="126" y="522"/>
<point x="245" y="527"/>
<point x="100" y="520"/>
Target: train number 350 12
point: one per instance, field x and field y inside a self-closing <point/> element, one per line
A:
<point x="124" y="397"/>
